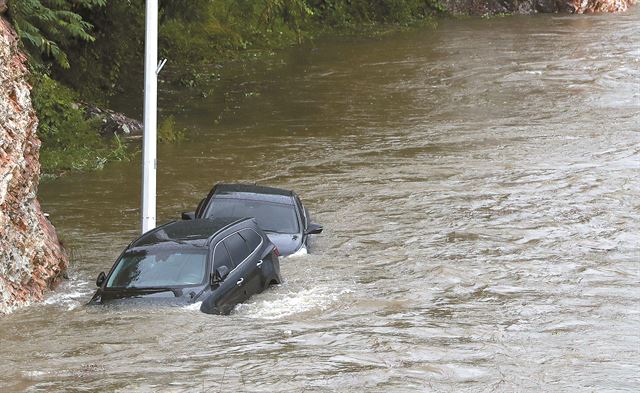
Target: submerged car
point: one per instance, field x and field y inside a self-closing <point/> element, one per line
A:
<point x="219" y="262"/>
<point x="280" y="213"/>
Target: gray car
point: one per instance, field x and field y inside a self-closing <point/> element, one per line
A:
<point x="278" y="212"/>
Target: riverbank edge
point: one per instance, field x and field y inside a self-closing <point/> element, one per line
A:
<point x="527" y="7"/>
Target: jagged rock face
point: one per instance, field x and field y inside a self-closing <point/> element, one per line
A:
<point x="589" y="6"/>
<point x="31" y="258"/>
<point x="489" y="7"/>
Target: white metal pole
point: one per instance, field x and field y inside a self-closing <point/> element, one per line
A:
<point x="149" y="162"/>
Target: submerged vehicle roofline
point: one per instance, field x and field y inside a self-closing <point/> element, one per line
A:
<point x="251" y="192"/>
<point x="203" y="241"/>
<point x="251" y="188"/>
<point x="245" y="196"/>
<point x="232" y="223"/>
<point x="169" y="245"/>
<point x="150" y="232"/>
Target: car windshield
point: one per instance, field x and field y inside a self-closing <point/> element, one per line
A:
<point x="271" y="216"/>
<point x="159" y="268"/>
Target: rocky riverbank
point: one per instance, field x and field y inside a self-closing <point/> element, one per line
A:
<point x="31" y="257"/>
<point x="492" y="7"/>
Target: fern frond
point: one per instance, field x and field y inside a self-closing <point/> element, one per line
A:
<point x="45" y="26"/>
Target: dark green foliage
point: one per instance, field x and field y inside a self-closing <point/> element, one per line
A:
<point x="226" y="26"/>
<point x="101" y="68"/>
<point x="349" y="13"/>
<point x="47" y="27"/>
<point x="187" y="10"/>
<point x="69" y="141"/>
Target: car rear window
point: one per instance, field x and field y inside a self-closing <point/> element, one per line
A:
<point x="237" y="248"/>
<point x="270" y="216"/>
<point x="252" y="238"/>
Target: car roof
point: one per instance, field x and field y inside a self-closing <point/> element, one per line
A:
<point x="185" y="233"/>
<point x="253" y="192"/>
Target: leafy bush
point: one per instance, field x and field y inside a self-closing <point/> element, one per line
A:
<point x="69" y="141"/>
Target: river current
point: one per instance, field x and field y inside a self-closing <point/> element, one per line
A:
<point x="478" y="186"/>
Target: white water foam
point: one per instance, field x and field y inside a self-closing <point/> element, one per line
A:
<point x="193" y="307"/>
<point x="71" y="294"/>
<point x="300" y="253"/>
<point x="284" y="305"/>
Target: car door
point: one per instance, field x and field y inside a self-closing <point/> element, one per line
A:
<point x="255" y="265"/>
<point x="245" y="266"/>
<point x="229" y="292"/>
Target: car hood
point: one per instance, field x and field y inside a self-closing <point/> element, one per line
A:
<point x="287" y="243"/>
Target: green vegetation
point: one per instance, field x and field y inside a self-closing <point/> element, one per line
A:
<point x="167" y="132"/>
<point x="47" y="26"/>
<point x="69" y="141"/>
<point x="95" y="48"/>
<point x="48" y="29"/>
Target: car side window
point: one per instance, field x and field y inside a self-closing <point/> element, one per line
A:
<point x="252" y="238"/>
<point x="237" y="248"/>
<point x="221" y="257"/>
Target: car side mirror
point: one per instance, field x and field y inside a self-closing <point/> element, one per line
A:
<point x="188" y="215"/>
<point x="100" y="279"/>
<point x="220" y="274"/>
<point x="314" y="229"/>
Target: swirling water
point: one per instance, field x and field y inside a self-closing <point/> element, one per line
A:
<point x="478" y="184"/>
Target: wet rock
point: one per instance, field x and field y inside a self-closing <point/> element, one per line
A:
<point x="590" y="6"/>
<point x="113" y="123"/>
<point x="492" y="7"/>
<point x="31" y="257"/>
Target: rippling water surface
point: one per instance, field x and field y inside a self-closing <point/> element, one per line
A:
<point x="478" y="185"/>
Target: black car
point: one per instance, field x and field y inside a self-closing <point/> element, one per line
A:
<point x="219" y="262"/>
<point x="280" y="213"/>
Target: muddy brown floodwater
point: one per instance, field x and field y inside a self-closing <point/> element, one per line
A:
<point x="479" y="187"/>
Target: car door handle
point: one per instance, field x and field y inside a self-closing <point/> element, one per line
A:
<point x="240" y="281"/>
<point x="260" y="262"/>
